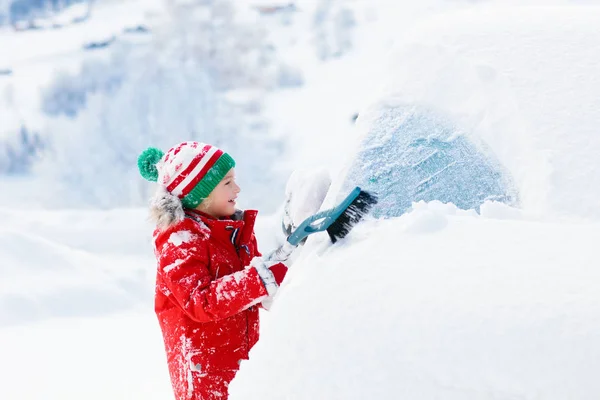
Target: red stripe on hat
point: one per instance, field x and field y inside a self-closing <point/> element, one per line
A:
<point x="174" y="151"/>
<point x="183" y="174"/>
<point x="186" y="190"/>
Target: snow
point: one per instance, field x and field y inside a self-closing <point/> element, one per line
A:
<point x="177" y="238"/>
<point x="466" y="320"/>
<point x="70" y="264"/>
<point x="436" y="303"/>
<point x="170" y="267"/>
<point x="507" y="75"/>
<point x="120" y="356"/>
<point x="445" y="303"/>
<point x="304" y="193"/>
<point x="439" y="303"/>
<point x="35" y="56"/>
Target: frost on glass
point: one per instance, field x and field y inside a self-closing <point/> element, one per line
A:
<point x="412" y="154"/>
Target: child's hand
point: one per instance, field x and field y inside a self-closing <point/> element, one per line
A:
<point x="272" y="274"/>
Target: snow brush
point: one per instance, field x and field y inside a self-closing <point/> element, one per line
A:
<point x="339" y="220"/>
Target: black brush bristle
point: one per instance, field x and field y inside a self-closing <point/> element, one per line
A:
<point x="353" y="214"/>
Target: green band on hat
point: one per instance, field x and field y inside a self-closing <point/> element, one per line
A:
<point x="208" y="183"/>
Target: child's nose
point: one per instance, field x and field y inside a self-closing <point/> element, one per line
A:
<point x="237" y="188"/>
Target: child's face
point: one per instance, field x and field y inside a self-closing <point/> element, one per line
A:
<point x="221" y="201"/>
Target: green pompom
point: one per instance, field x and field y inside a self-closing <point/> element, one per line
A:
<point x="147" y="163"/>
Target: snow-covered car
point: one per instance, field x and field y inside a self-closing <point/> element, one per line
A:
<point x="483" y="108"/>
<point x="493" y="297"/>
<point x="411" y="153"/>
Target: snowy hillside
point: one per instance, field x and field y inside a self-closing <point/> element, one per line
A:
<point x="489" y="105"/>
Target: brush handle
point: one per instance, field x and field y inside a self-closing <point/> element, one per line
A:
<point x="321" y="220"/>
<point x="282" y="253"/>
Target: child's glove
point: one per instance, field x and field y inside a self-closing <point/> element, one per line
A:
<point x="271" y="273"/>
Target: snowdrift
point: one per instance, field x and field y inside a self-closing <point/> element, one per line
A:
<point x="73" y="264"/>
<point x="439" y="303"/>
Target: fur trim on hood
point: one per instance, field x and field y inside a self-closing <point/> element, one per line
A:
<point x="165" y="209"/>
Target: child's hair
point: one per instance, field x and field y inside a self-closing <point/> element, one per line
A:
<point x="186" y="175"/>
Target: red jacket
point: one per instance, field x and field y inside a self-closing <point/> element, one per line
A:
<point x="206" y="301"/>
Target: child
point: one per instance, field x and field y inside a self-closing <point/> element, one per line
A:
<point x="210" y="278"/>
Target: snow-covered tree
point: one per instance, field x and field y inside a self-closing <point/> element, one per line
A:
<point x="201" y="78"/>
<point x="333" y="25"/>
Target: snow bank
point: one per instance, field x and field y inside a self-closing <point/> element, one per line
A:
<point x="118" y="357"/>
<point x="73" y="264"/>
<point x="439" y="303"/>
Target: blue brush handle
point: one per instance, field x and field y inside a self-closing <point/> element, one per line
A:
<point x="322" y="220"/>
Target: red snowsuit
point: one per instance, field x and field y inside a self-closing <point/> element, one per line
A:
<point x="206" y="301"/>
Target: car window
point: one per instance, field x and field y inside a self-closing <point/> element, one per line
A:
<point x="411" y="153"/>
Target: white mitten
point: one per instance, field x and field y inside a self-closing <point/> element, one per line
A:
<point x="272" y="274"/>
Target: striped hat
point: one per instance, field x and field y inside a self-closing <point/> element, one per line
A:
<point x="190" y="170"/>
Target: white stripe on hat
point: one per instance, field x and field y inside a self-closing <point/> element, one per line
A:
<point x="178" y="190"/>
<point x="187" y="154"/>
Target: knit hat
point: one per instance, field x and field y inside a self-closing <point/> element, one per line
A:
<point x="190" y="170"/>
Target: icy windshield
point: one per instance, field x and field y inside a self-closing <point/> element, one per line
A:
<point x="411" y="154"/>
